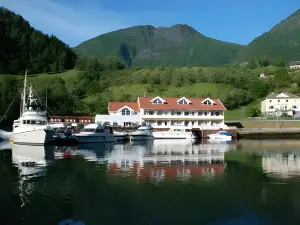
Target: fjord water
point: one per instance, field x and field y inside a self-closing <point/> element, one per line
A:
<point x="152" y="183"/>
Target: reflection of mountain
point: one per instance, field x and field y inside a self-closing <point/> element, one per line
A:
<point x="282" y="164"/>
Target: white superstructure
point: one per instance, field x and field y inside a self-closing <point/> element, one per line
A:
<point x="32" y="126"/>
<point x="142" y="133"/>
<point x="94" y="133"/>
<point x="176" y="132"/>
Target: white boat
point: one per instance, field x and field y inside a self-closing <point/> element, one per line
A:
<point x="95" y="133"/>
<point x="32" y="127"/>
<point x="221" y="135"/>
<point x="142" y="133"/>
<point x="119" y="136"/>
<point x="175" y="132"/>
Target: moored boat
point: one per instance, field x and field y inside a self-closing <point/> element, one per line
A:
<point x="175" y="132"/>
<point x="95" y="133"/>
<point x="142" y="133"/>
<point x="221" y="135"/>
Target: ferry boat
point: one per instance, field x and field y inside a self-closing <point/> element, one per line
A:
<point x="221" y="135"/>
<point x="95" y="133"/>
<point x="142" y="133"/>
<point x="32" y="126"/>
<point x="175" y="132"/>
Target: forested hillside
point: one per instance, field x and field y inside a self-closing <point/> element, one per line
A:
<point x="179" y="45"/>
<point x="22" y="47"/>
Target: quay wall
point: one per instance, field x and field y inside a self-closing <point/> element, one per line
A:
<point x="268" y="133"/>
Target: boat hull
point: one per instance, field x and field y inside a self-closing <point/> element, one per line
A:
<point x="34" y="137"/>
<point x="173" y="135"/>
<point x="140" y="137"/>
<point x="219" y="137"/>
<point x="94" y="139"/>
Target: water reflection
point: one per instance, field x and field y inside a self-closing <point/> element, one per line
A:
<point x="213" y="183"/>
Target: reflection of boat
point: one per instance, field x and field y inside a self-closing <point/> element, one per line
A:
<point x="142" y="133"/>
<point x="221" y="135"/>
<point x="95" y="133"/>
<point x="175" y="132"/>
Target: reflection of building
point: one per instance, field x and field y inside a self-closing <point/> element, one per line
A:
<point x="281" y="164"/>
<point x="168" y="159"/>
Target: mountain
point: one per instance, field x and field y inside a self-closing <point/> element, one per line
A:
<point x="282" y="41"/>
<point x="22" y="47"/>
<point x="179" y="45"/>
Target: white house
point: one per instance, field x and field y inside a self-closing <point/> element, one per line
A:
<point x="275" y="104"/>
<point x="166" y="112"/>
<point x="295" y="65"/>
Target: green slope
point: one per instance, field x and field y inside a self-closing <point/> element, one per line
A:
<point x="281" y="41"/>
<point x="178" y="45"/>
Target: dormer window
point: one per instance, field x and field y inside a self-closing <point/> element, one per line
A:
<point x="125" y="112"/>
<point x="207" y="101"/>
<point x="158" y="100"/>
<point x="183" y="101"/>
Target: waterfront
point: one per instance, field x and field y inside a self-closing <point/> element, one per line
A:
<point x="156" y="182"/>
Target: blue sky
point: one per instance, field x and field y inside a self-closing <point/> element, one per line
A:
<point x="74" y="21"/>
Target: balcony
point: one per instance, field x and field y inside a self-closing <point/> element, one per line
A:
<point x="183" y="117"/>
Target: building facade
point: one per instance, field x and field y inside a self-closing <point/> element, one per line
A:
<point x="295" y="65"/>
<point x="166" y="112"/>
<point x="276" y="104"/>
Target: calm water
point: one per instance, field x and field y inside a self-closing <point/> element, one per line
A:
<point x="152" y="183"/>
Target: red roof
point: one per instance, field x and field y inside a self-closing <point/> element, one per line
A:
<point x="171" y="103"/>
<point x="115" y="106"/>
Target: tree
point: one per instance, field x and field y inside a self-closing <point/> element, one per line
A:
<point x="254" y="112"/>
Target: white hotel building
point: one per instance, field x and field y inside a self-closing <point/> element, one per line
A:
<point x="166" y="112"/>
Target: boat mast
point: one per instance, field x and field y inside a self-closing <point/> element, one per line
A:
<point x="24" y="92"/>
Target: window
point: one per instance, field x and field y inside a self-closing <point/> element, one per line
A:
<point x="207" y="102"/>
<point x="278" y="100"/>
<point x="212" y="113"/>
<point x="270" y="100"/>
<point x="287" y="100"/>
<point x="182" y="101"/>
<point x="172" y="113"/>
<point x="157" y="101"/>
<point x="159" y="113"/>
<point x="151" y="113"/>
<point x="294" y="107"/>
<point x="125" y="112"/>
<point x="186" y="113"/>
<point x="33" y="122"/>
<point x="193" y="113"/>
<point x="178" y="113"/>
<point x="205" y="113"/>
<point x="199" y="113"/>
<point x="159" y="123"/>
<point x="271" y="107"/>
<point x="217" y="113"/>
